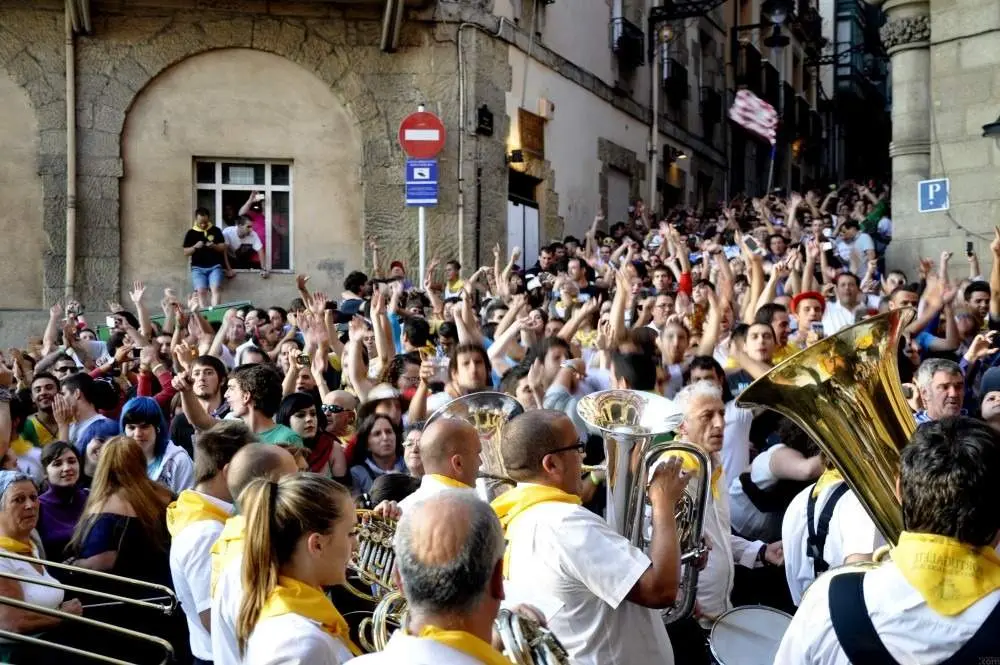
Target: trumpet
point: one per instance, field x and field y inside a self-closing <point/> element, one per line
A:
<point x="371" y="565"/>
<point x="166" y="594"/>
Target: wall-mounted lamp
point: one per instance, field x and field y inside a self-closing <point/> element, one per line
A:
<point x="776" y="39"/>
<point x="992" y="130"/>
<point x="515" y="157"/>
<point x="775" y="11"/>
<point x="681" y="155"/>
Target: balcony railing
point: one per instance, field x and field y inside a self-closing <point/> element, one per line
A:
<point x="626" y="42"/>
<point x="711" y="105"/>
<point x="675" y="81"/>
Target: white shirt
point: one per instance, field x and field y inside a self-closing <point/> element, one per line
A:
<point x="568" y="553"/>
<point x="292" y="639"/>
<point x="234" y="241"/>
<point x="715" y="582"/>
<point x="862" y="243"/>
<point x="428" y="487"/>
<point x="836" y="317"/>
<point x="747" y="520"/>
<point x="191" y="570"/>
<point x="736" y="442"/>
<point x="851" y="532"/>
<point x="405" y="649"/>
<point x="910" y="630"/>
<point x="225" y="610"/>
<point x="33" y="593"/>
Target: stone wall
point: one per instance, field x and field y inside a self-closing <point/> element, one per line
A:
<point x="135" y="42"/>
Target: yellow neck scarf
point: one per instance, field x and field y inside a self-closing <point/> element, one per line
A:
<point x="449" y="482"/>
<point x="201" y="230"/>
<point x="467" y="643"/>
<point x="228" y="547"/>
<point x="690" y="464"/>
<point x="16" y="546"/>
<point x="294" y="597"/>
<point x="191" y="507"/>
<point x="949" y="575"/>
<point x="513" y="503"/>
<point x="20" y="447"/>
<point x="829" y="477"/>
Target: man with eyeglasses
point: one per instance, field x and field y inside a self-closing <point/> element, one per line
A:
<point x="610" y="590"/>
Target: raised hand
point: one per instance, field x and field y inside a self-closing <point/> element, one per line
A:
<point x="138" y="289"/>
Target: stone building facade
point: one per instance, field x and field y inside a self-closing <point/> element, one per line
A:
<point x="945" y="66"/>
<point x="183" y="103"/>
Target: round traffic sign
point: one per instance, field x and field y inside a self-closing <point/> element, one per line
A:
<point x="421" y="135"/>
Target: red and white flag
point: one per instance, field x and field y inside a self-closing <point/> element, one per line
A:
<point x="755" y="115"/>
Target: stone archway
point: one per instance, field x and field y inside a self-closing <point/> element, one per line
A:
<point x="238" y="103"/>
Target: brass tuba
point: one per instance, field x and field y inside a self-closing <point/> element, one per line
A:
<point x="844" y="391"/>
<point x="636" y="427"/>
<point x="525" y="642"/>
<point x="488" y="412"/>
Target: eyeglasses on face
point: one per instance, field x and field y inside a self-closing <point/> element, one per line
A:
<point x="332" y="409"/>
<point x="579" y="446"/>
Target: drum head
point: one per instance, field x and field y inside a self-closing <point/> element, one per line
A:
<point x="748" y="635"/>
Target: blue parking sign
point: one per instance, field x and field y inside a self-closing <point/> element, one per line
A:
<point x="933" y="195"/>
<point x="421" y="182"/>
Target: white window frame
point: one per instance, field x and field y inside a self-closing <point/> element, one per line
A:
<point x="267" y="188"/>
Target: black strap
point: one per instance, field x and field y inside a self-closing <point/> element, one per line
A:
<point x="851" y="623"/>
<point x="861" y="643"/>
<point x="774" y="499"/>
<point x="818" y="532"/>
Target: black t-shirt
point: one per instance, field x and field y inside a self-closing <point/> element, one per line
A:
<point x="206" y="257"/>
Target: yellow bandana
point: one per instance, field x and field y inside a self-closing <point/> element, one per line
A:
<point x="513" y="503"/>
<point x="16" y="546"/>
<point x="467" y="643"/>
<point x="449" y="482"/>
<point x="690" y="464"/>
<point x="829" y="477"/>
<point x="191" y="507"/>
<point x="228" y="547"/>
<point x="294" y="597"/>
<point x="949" y="575"/>
<point x="201" y="230"/>
<point x="20" y="447"/>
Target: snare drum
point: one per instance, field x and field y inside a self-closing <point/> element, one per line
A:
<point x="748" y="635"/>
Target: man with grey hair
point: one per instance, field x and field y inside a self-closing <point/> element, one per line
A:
<point x="449" y="563"/>
<point x="704" y="425"/>
<point x="942" y="388"/>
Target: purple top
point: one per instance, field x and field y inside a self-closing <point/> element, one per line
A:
<point x="61" y="508"/>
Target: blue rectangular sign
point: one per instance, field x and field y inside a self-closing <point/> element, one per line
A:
<point x="933" y="195"/>
<point x="421" y="182"/>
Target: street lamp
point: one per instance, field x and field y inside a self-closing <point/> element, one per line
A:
<point x="775" y="11"/>
<point x="992" y="130"/>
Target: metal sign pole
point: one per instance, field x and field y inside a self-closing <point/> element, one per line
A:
<point x="422" y="230"/>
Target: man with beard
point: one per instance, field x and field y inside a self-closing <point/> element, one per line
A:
<point x="41" y="428"/>
<point x="208" y="375"/>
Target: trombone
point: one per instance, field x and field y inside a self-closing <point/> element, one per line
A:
<point x="168" y="650"/>
<point x="166" y="593"/>
<point x="167" y="608"/>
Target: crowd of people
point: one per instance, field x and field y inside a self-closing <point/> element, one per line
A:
<point x="226" y="459"/>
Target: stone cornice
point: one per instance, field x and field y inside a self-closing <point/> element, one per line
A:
<point x="913" y="31"/>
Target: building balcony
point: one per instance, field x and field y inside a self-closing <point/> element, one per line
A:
<point x="710" y="106"/>
<point x="748" y="70"/>
<point x="675" y="82"/>
<point x="626" y="42"/>
<point x="772" y="85"/>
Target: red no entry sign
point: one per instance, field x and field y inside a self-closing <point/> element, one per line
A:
<point x="421" y="135"/>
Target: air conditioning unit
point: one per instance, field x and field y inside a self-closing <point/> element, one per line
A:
<point x="546" y="108"/>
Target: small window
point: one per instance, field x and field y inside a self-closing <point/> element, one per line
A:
<point x="227" y="187"/>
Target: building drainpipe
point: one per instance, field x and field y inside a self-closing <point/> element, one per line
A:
<point x="654" y="127"/>
<point x="70" y="281"/>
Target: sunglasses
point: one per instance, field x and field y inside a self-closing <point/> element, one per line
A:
<point x="64" y="368"/>
<point x="332" y="409"/>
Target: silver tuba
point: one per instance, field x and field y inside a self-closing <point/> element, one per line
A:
<point x="488" y="412"/>
<point x="637" y="428"/>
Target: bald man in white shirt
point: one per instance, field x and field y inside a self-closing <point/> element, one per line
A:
<point x="611" y="592"/>
<point x="449" y="451"/>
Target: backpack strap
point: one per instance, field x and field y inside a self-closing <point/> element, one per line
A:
<point x="983" y="646"/>
<point x="819" y="531"/>
<point x="852" y="624"/>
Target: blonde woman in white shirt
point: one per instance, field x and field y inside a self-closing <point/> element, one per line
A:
<point x="299" y="537"/>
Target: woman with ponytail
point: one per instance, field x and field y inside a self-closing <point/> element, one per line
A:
<point x="300" y="534"/>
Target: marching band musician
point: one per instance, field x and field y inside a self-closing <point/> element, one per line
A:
<point x="825" y="526"/>
<point x="608" y="588"/>
<point x="938" y="599"/>
<point x="449" y="450"/>
<point x="703" y="425"/>
<point x="195" y="521"/>
<point x="300" y="533"/>
<point x="449" y="551"/>
<point x="254" y="460"/>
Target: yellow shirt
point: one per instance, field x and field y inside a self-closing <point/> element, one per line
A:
<point x="784" y="353"/>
